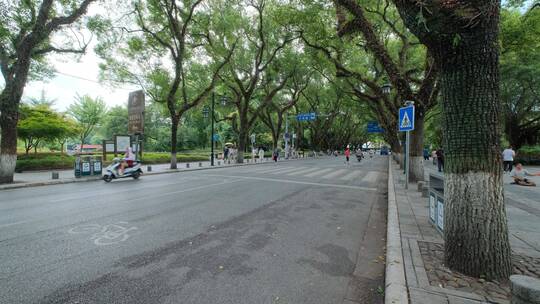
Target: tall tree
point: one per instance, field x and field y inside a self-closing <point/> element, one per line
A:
<point x="462" y="37"/>
<point x="25" y="41"/>
<point x="88" y="112"/>
<point x="39" y="124"/>
<point x="386" y="52"/>
<point x="263" y="40"/>
<point x="168" y="51"/>
<point x="520" y="76"/>
<point x="276" y="111"/>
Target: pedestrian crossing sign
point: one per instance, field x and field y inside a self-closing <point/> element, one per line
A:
<point x="406" y="118"/>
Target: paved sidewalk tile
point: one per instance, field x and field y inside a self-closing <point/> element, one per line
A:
<point x="523" y="220"/>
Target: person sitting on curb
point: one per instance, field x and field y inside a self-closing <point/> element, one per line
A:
<point x="519" y="174"/>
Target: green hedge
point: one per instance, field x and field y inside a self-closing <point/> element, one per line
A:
<point x="529" y="155"/>
<point x="43" y="162"/>
<point x="55" y="161"/>
<point x="162" y="158"/>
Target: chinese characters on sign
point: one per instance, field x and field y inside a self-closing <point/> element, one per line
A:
<point x="136" y="112"/>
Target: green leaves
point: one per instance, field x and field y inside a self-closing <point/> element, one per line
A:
<point x="88" y="112"/>
<point x="40" y="124"/>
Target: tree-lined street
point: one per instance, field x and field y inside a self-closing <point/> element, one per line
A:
<point x="448" y="90"/>
<point x="292" y="232"/>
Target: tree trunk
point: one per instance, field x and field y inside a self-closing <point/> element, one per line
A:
<point x="174" y="142"/>
<point x="274" y="141"/>
<point x="476" y="231"/>
<point x="8" y="145"/>
<point x="416" y="170"/>
<point x="241" y="147"/>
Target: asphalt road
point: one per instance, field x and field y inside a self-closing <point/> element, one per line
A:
<point x="309" y="231"/>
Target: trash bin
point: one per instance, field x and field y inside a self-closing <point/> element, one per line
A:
<point x="436" y="201"/>
<point x="77" y="167"/>
<point x="86" y="169"/>
<point x="97" y="165"/>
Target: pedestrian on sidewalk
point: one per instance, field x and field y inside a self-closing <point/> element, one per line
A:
<point x="261" y="154"/>
<point x="508" y="159"/>
<point x="440" y="159"/>
<point x="347" y="154"/>
<point x="275" y="155"/>
<point x="225" y="153"/>
<point x="426" y="154"/>
<point x="519" y="174"/>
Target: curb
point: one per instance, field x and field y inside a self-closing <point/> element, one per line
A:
<point x="168" y="171"/>
<point x="395" y="284"/>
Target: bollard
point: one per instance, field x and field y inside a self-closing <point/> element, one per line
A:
<point x="420" y="186"/>
<point x="229" y="162"/>
<point x="148" y="168"/>
<point x="187" y="165"/>
<point x="55" y="175"/>
<point x="425" y="191"/>
<point x="218" y="163"/>
<point x="525" y="290"/>
<point x="200" y="164"/>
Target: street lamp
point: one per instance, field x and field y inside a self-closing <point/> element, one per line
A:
<point x="386" y="88"/>
<point x="224" y="100"/>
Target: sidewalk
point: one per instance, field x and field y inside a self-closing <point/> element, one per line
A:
<point x="43" y="178"/>
<point x="428" y="281"/>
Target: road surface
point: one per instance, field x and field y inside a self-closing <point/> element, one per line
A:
<point x="309" y="231"/>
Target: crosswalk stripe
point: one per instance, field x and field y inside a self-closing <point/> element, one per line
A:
<point x="260" y="169"/>
<point x="352" y="175"/>
<point x="301" y="172"/>
<point x="282" y="170"/>
<point x="320" y="172"/>
<point x="336" y="173"/>
<point x="370" y="177"/>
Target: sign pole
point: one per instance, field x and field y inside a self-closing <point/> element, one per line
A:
<point x="406" y="124"/>
<point x="407" y="145"/>
<point x="212" y="138"/>
<point x="286" y="136"/>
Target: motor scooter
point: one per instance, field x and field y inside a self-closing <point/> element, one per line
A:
<point x="112" y="171"/>
<point x="359" y="156"/>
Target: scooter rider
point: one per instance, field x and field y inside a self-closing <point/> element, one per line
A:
<point x="128" y="160"/>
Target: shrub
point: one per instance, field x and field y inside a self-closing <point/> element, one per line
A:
<point x="529" y="155"/>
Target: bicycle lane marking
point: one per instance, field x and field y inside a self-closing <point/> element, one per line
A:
<point x="115" y="233"/>
<point x="108" y="234"/>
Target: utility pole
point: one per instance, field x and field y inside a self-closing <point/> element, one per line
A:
<point x="286" y="136"/>
<point x="212" y="138"/>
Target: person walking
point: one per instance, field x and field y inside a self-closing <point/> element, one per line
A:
<point x="426" y="154"/>
<point x="347" y="154"/>
<point x="275" y="155"/>
<point x="225" y="153"/>
<point x="508" y="159"/>
<point x="440" y="159"/>
<point x="261" y="154"/>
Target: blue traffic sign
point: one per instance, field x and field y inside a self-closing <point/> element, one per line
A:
<point x="306" y="116"/>
<point x="406" y="119"/>
<point x="373" y="127"/>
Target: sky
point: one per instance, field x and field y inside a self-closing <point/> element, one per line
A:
<point x="79" y="75"/>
